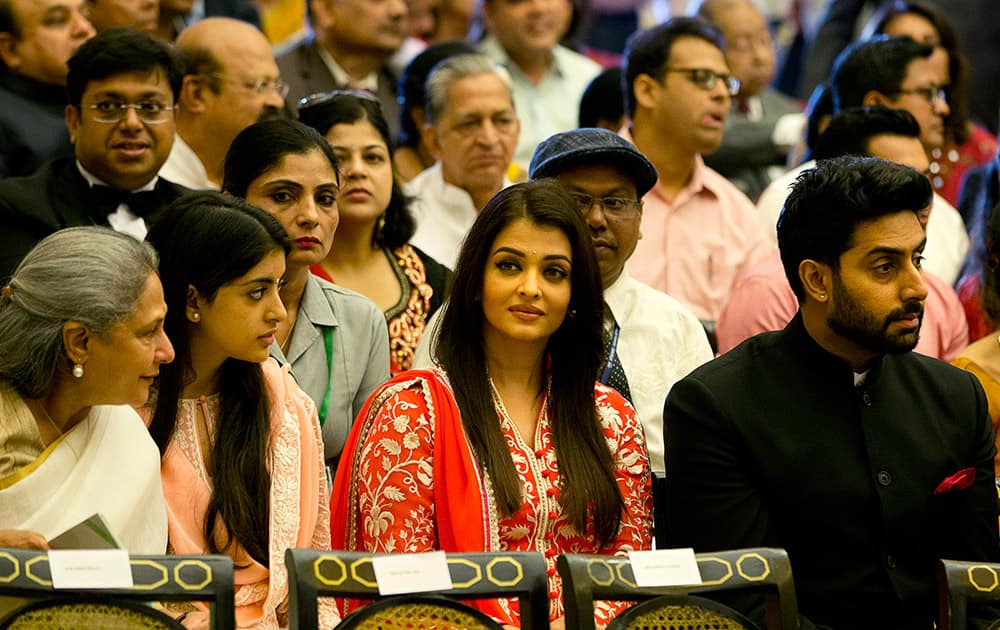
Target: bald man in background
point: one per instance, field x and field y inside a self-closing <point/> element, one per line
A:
<point x="230" y="82"/>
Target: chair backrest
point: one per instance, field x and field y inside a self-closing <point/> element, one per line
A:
<point x="761" y="569"/>
<point x="959" y="583"/>
<point x="25" y="574"/>
<point x="680" y="612"/>
<point x="349" y="574"/>
<point x="418" y="611"/>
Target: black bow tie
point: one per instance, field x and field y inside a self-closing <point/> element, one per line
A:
<point x="106" y="201"/>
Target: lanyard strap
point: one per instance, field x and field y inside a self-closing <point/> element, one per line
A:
<point x="612" y="352"/>
<point x="328" y="342"/>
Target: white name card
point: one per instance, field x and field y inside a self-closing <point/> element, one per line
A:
<point x="90" y="568"/>
<point x="665" y="567"/>
<point x="411" y="573"/>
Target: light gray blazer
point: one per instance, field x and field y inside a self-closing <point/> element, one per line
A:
<point x="360" y="360"/>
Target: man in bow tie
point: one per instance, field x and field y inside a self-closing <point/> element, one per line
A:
<point x="122" y="87"/>
<point x="867" y="462"/>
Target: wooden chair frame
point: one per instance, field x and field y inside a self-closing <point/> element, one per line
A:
<point x="595" y="577"/>
<point x="960" y="582"/>
<point x="349" y="574"/>
<point x="26" y="574"/>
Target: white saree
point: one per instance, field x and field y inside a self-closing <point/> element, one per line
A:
<point x="107" y="464"/>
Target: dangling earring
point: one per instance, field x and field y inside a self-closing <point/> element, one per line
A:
<point x="380" y="229"/>
<point x="572" y="313"/>
<point x="78" y="370"/>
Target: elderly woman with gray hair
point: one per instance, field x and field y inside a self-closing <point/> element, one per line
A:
<point x="81" y="340"/>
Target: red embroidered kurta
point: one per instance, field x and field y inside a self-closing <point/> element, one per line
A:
<point x="393" y="483"/>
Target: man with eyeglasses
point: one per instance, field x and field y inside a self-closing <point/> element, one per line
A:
<point x="122" y="87"/>
<point x="698" y="230"/>
<point x="762" y="299"/>
<point x="230" y="82"/>
<point x="37" y="37"/>
<point x="898" y="73"/>
<point x="763" y="124"/>
<point x="652" y="339"/>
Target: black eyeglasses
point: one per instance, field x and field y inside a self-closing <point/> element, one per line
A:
<point x="706" y="78"/>
<point x="929" y="94"/>
<point x="321" y="98"/>
<point x="113" y="112"/>
<point x="612" y="206"/>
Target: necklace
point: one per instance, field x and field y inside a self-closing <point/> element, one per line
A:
<point x="48" y="418"/>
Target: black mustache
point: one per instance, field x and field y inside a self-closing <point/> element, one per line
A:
<point x="911" y="308"/>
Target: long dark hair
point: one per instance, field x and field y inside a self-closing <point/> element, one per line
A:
<point x="322" y="112"/>
<point x="207" y="240"/>
<point x="575" y="353"/>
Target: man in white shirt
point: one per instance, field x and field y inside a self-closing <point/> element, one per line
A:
<point x="230" y="82"/>
<point x="471" y="129"/>
<point x="548" y="79"/>
<point x="656" y="340"/>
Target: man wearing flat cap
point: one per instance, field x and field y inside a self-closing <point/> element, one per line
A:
<point x="652" y="339"/>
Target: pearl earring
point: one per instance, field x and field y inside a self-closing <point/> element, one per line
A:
<point x="195" y="317"/>
<point x="78" y="370"/>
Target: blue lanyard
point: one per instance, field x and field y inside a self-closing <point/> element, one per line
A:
<point x="612" y="352"/>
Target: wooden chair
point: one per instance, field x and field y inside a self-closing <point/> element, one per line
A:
<point x="25" y="575"/>
<point x="958" y="584"/>
<point x="595" y="577"/>
<point x="347" y="574"/>
<point x="680" y="612"/>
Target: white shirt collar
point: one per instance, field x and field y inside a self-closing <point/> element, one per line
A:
<point x="95" y="181"/>
<point x="368" y="82"/>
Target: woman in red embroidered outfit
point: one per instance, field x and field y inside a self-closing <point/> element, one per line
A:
<point x="242" y="453"/>
<point x="509" y="444"/>
<point x="370" y="251"/>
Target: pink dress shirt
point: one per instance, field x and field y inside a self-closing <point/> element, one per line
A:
<point x="762" y="300"/>
<point x="694" y="248"/>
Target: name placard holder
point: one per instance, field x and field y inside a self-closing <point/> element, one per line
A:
<point x="90" y="568"/>
<point x="411" y="573"/>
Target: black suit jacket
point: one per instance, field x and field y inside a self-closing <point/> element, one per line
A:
<point x="32" y="124"/>
<point x="54" y="197"/>
<point x="239" y="9"/>
<point x="305" y="73"/>
<point x="772" y="444"/>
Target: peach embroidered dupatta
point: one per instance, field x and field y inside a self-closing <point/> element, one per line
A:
<point x="299" y="510"/>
